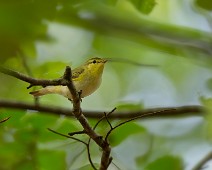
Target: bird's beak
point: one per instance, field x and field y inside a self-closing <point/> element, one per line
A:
<point x="105" y="60"/>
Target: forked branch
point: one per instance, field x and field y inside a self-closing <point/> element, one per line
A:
<point x="66" y="80"/>
<point x="77" y="111"/>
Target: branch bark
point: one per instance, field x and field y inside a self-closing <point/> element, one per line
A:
<point x="77" y="111"/>
<point x="193" y="110"/>
<point x="66" y="80"/>
<point x="30" y="80"/>
<point x="203" y="161"/>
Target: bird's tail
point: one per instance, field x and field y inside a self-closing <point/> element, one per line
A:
<point x="38" y="93"/>
<point x="62" y="90"/>
<point x="45" y="90"/>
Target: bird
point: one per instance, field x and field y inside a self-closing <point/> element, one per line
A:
<point x="86" y="79"/>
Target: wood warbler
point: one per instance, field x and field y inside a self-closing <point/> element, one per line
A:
<point x="86" y="78"/>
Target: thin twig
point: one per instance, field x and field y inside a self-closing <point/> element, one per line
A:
<point x="76" y="139"/>
<point x="76" y="133"/>
<point x="141" y="116"/>
<point x="58" y="133"/>
<point x="102" y="118"/>
<point x="4" y="120"/>
<point x="95" y="126"/>
<point x="108" y="120"/>
<point x="203" y="161"/>
<point x="89" y="156"/>
<point x="30" y="80"/>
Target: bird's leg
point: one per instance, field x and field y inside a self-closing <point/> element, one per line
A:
<point x="80" y="93"/>
<point x="70" y="100"/>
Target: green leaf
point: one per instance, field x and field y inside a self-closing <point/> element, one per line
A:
<point x="50" y="70"/>
<point x="18" y="145"/>
<point x="38" y="123"/>
<point x="167" y="162"/>
<point x="53" y="160"/>
<point x="11" y="154"/>
<point x="21" y="23"/>
<point x="4" y="120"/>
<point x="88" y="167"/>
<point x="144" y="6"/>
<point x="66" y="125"/>
<point x="124" y="106"/>
<point x="207" y="102"/>
<point x="14" y="121"/>
<point x="209" y="84"/>
<point x="124" y="131"/>
<point x="135" y="6"/>
<point x="205" y="4"/>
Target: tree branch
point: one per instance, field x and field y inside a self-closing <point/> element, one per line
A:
<point x="77" y="111"/>
<point x="4" y="120"/>
<point x="30" y="80"/>
<point x="203" y="161"/>
<point x="183" y="110"/>
<point x="193" y="110"/>
<point x="76" y="139"/>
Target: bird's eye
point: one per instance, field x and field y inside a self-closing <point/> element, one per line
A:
<point x="94" y="61"/>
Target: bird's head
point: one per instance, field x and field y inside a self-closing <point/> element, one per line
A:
<point x="96" y="65"/>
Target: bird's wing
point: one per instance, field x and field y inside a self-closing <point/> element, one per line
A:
<point x="76" y="72"/>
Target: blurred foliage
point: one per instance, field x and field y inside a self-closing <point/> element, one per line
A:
<point x="22" y="136"/>
<point x="121" y="133"/>
<point x="205" y="4"/>
<point x="207" y="102"/>
<point x="165" y="163"/>
<point x="40" y="37"/>
<point x="22" y="23"/>
<point x="129" y="106"/>
<point x="45" y="159"/>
